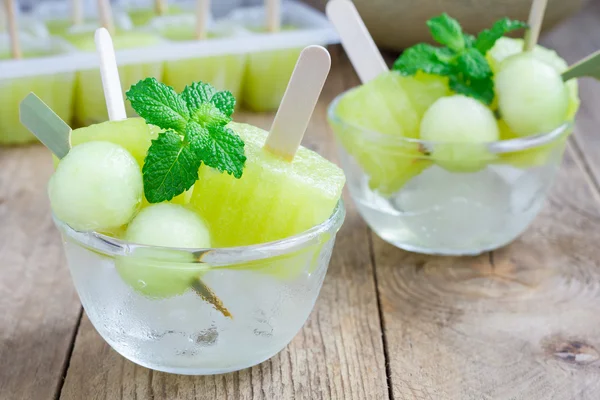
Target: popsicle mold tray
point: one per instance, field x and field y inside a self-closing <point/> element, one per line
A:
<point x="255" y="65"/>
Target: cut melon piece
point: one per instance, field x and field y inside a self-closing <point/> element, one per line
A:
<point x="160" y="273"/>
<point x="459" y="129"/>
<point x="506" y="47"/>
<point x="390" y="105"/>
<point x="273" y="200"/>
<point x="532" y="98"/>
<point x="90" y="106"/>
<point x="96" y="187"/>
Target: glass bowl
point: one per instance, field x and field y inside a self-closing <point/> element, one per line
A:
<point x="447" y="198"/>
<point x="201" y="311"/>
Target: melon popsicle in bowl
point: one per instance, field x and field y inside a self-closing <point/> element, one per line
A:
<point x="211" y="309"/>
<point x="224" y="72"/>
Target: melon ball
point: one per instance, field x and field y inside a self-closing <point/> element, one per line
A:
<point x="459" y="128"/>
<point x="97" y="186"/>
<point x="532" y="98"/>
<point x="161" y="273"/>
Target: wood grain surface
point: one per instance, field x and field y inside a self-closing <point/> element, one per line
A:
<point x="522" y="322"/>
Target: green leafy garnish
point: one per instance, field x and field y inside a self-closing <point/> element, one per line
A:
<point x="195" y="132"/>
<point x="462" y="59"/>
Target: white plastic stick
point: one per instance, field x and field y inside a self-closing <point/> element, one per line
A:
<point x="356" y="40"/>
<point x="161" y="7"/>
<point x="536" y="17"/>
<point x="110" y="76"/>
<point x="298" y="102"/>
<point x="202" y="13"/>
<point x="13" y="30"/>
<point x="106" y="18"/>
<point x="76" y="12"/>
<point x="273" y="14"/>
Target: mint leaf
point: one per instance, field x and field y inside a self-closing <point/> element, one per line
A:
<point x="170" y="168"/>
<point x="195" y="123"/>
<point x="224" y="101"/>
<point x="469" y="40"/>
<point x="197" y="94"/>
<point x="480" y="89"/>
<point x="447" y="31"/>
<point x="473" y="64"/>
<point x="158" y="104"/>
<point x="486" y="39"/>
<point x="221" y="148"/>
<point x="426" y="58"/>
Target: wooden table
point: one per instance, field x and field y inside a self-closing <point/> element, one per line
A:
<point x="522" y="322"/>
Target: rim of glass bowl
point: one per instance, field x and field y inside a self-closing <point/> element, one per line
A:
<point x="497" y="147"/>
<point x="110" y="246"/>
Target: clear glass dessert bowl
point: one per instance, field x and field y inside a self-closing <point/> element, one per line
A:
<point x="199" y="311"/>
<point x="447" y="198"/>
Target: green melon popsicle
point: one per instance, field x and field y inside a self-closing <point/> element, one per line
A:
<point x="224" y="72"/>
<point x="56" y="90"/>
<point x="273" y="200"/>
<point x="267" y="75"/>
<point x="90" y="106"/>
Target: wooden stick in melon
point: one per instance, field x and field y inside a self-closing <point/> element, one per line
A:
<point x="356" y="40"/>
<point x="106" y="17"/>
<point x="13" y="31"/>
<point x="298" y="102"/>
<point x="536" y="17"/>
<point x="273" y="15"/>
<point x="202" y="12"/>
<point x="76" y="12"/>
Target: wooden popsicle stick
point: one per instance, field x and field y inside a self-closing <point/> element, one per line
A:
<point x="298" y="102"/>
<point x="161" y="7"/>
<point x="110" y="76"/>
<point x="589" y="66"/>
<point x="202" y="14"/>
<point x="106" y="17"/>
<point x="356" y="40"/>
<point x="13" y="30"/>
<point x="48" y="127"/>
<point x="273" y="15"/>
<point x="536" y="17"/>
<point x="76" y="12"/>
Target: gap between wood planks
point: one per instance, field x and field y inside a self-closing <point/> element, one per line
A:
<point x="67" y="363"/>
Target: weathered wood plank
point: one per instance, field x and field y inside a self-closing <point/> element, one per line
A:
<point x="521" y="323"/>
<point x="39" y="309"/>
<point x="337" y="355"/>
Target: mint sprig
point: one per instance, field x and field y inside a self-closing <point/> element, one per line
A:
<point x="462" y="59"/>
<point x="195" y="132"/>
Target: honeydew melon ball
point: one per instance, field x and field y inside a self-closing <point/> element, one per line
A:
<point x="532" y="98"/>
<point x="161" y="273"/>
<point x="459" y="127"/>
<point x="96" y="187"/>
<point x="506" y="47"/>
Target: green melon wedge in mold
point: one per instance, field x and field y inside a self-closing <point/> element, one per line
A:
<point x="389" y="106"/>
<point x="56" y="91"/>
<point x="224" y="72"/>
